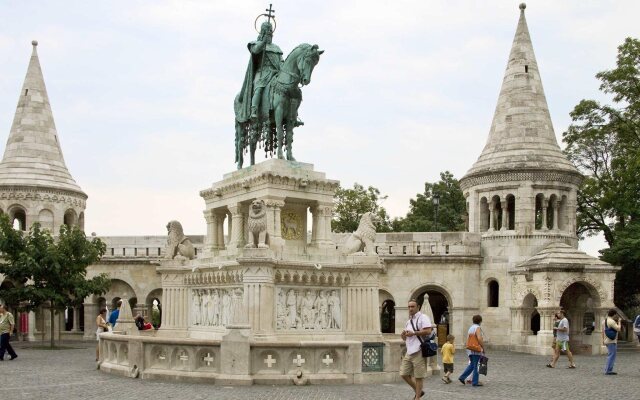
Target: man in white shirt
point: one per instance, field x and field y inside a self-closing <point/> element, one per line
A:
<point x="562" y="341"/>
<point x="414" y="367"/>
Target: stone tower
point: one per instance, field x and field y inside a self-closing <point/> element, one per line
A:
<point x="522" y="187"/>
<point x="35" y="184"/>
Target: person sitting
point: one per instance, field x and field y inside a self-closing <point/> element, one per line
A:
<point x="141" y="324"/>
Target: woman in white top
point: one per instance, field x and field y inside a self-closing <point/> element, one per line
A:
<point x="102" y="327"/>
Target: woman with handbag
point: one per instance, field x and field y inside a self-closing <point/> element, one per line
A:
<point x="102" y="327"/>
<point x="475" y="349"/>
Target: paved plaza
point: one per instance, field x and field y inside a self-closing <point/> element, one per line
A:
<point x="71" y="374"/>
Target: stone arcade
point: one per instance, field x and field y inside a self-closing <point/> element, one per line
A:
<point x="265" y="301"/>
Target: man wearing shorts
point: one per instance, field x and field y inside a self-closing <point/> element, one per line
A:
<point x="414" y="367"/>
<point x="562" y="341"/>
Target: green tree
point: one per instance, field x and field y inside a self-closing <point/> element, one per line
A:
<point x="49" y="272"/>
<point x="350" y="204"/>
<point x="421" y="215"/>
<point x="604" y="142"/>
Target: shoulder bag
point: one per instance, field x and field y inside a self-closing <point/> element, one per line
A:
<point x="428" y="347"/>
<point x="473" y="343"/>
<point x="609" y="332"/>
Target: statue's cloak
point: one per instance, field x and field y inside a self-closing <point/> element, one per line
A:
<point x="243" y="105"/>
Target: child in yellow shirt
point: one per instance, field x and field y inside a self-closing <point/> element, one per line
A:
<point x="448" y="350"/>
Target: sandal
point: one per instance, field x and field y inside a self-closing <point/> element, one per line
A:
<point x="551" y="366"/>
<point x="572" y="366"/>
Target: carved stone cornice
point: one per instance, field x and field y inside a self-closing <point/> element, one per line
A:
<point x="272" y="179"/>
<point x="31" y="193"/>
<point x="515" y="175"/>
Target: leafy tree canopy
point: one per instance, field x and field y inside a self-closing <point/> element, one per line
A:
<point x="451" y="209"/>
<point x="604" y="142"/>
<point x="48" y="271"/>
<point x="350" y="204"/>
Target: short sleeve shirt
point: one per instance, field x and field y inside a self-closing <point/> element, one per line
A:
<point x="563" y="336"/>
<point x="420" y="321"/>
<point x="6" y="320"/>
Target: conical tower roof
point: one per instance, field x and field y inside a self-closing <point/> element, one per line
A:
<point x="521" y="135"/>
<point x="33" y="156"/>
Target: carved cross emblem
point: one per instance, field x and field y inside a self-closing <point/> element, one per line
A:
<point x="162" y="356"/>
<point x="207" y="359"/>
<point x="327" y="360"/>
<point x="270" y="361"/>
<point x="183" y="357"/>
<point x="299" y="360"/>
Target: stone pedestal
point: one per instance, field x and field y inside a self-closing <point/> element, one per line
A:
<point x="235" y="357"/>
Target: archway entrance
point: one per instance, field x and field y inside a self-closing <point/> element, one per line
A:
<point x="579" y="301"/>
<point x="388" y="317"/>
<point x="439" y="303"/>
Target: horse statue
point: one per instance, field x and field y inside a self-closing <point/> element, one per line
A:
<point x="278" y="113"/>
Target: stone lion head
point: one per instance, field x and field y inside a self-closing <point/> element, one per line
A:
<point x="257" y="209"/>
<point x="367" y="227"/>
<point x="174" y="229"/>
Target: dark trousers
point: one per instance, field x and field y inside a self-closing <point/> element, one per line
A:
<point x="6" y="346"/>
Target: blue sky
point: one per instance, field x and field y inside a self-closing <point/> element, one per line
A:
<point x="142" y="91"/>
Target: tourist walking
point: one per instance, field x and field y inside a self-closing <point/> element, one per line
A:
<point x="7" y="324"/>
<point x="102" y="327"/>
<point x="610" y="331"/>
<point x="475" y="349"/>
<point x="414" y="367"/>
<point x="562" y="341"/>
<point x="448" y="350"/>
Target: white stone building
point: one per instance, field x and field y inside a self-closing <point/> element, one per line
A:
<point x="516" y="265"/>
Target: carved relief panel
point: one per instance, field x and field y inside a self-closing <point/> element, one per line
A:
<point x="216" y="307"/>
<point x="318" y="309"/>
<point x="291" y="223"/>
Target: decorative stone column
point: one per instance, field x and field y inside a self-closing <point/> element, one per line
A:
<point x="322" y="215"/>
<point x="32" y="327"/>
<point x="492" y="214"/>
<point x="556" y="211"/>
<point x="545" y="205"/>
<point x="220" y="231"/>
<point x="274" y="208"/>
<point x="90" y="314"/>
<point x="211" y="241"/>
<point x="259" y="300"/>
<point x="76" y="320"/>
<point x="237" y="228"/>
<point x="505" y="216"/>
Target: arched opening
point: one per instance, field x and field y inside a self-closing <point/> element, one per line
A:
<point x="484" y="214"/>
<point x="45" y="217"/>
<point x="154" y="307"/>
<point x="388" y="317"/>
<point x="493" y="294"/>
<point x="497" y="219"/>
<point x="539" y="212"/>
<point x="68" y="318"/>
<point x="535" y="322"/>
<point x="511" y="212"/>
<point x="530" y="314"/>
<point x="580" y="301"/>
<point x="70" y="218"/>
<point x="18" y="218"/>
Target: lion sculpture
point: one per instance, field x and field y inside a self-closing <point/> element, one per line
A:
<point x="257" y="225"/>
<point x="361" y="241"/>
<point x="178" y="245"/>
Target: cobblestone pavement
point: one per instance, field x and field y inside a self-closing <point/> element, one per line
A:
<point x="71" y="374"/>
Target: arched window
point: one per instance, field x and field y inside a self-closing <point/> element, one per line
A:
<point x="496" y="207"/>
<point x="551" y="212"/>
<point x="493" y="294"/>
<point x="539" y="210"/>
<point x="19" y="219"/>
<point x="511" y="212"/>
<point x="388" y="317"/>
<point x="70" y="218"/>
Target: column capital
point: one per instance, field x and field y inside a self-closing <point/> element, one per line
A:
<point x="275" y="202"/>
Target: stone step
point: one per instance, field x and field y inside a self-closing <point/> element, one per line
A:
<point x="628" y="347"/>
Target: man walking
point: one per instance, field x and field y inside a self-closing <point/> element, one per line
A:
<point x="562" y="341"/>
<point x="414" y="367"/>
<point x="6" y="327"/>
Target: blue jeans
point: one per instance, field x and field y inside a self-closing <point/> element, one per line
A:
<point x="612" y="349"/>
<point x="5" y="346"/>
<point x="472" y="368"/>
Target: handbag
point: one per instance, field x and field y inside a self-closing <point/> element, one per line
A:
<point x="473" y="343"/>
<point x="428" y="347"/>
<point x="482" y="365"/>
<point x="609" y="332"/>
